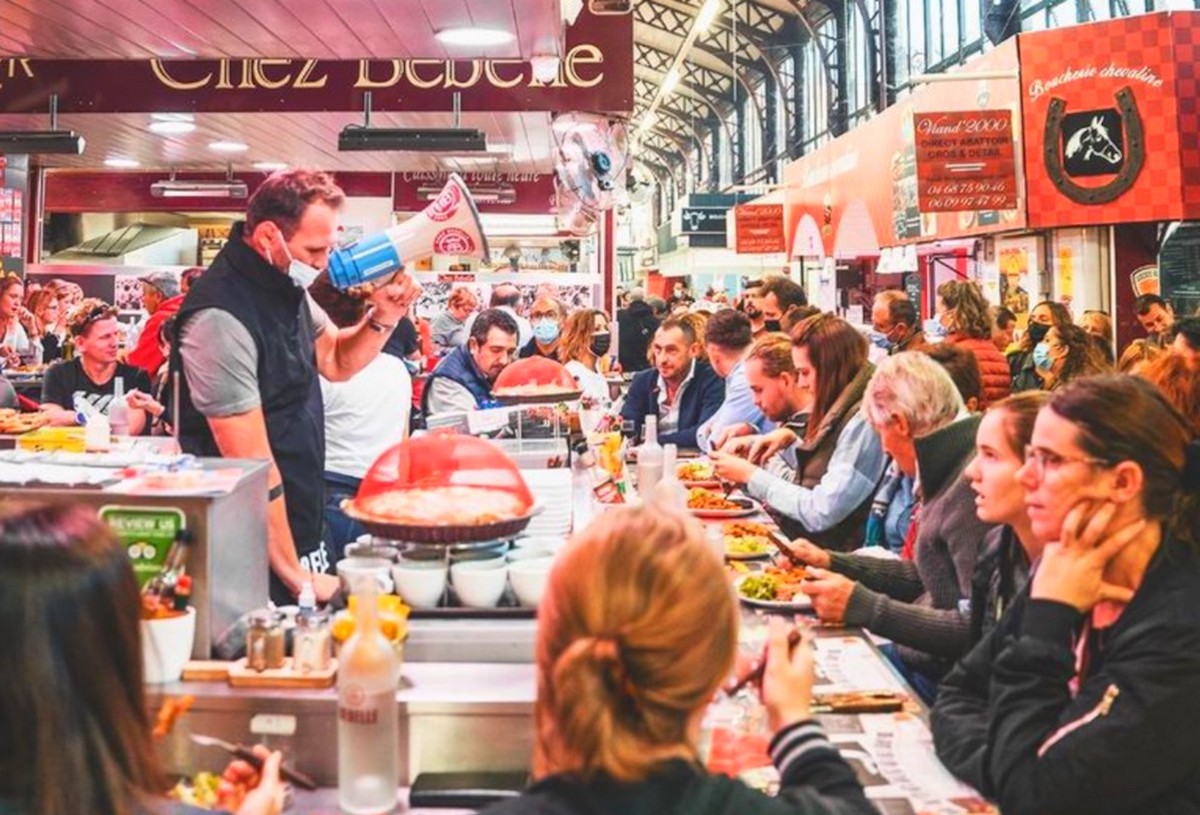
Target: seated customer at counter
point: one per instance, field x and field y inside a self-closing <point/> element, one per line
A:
<point x="546" y="316"/>
<point x="93" y="372"/>
<point x="681" y="390"/>
<point x="636" y="632"/>
<point x="727" y="340"/>
<point x="1086" y="697"/>
<point x="462" y="381"/>
<point x="74" y="722"/>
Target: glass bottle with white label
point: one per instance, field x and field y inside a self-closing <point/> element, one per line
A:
<point x="368" y="730"/>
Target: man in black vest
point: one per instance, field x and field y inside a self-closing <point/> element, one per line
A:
<point x="251" y="343"/>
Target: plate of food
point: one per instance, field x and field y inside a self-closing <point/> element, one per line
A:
<point x="775" y="589"/>
<point x="748" y="547"/>
<point x="14" y="423"/>
<point x="697" y="474"/>
<point x="709" y="504"/>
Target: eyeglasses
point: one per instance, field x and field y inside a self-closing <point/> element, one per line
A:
<point x="1044" y="461"/>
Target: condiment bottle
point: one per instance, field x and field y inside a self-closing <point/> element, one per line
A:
<point x="118" y="411"/>
<point x="670" y="491"/>
<point x="368" y="728"/>
<point x="183" y="592"/>
<point x="159" y="591"/>
<point x="264" y="642"/>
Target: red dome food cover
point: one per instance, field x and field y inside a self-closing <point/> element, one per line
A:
<point x="535" y="372"/>
<point x="443" y="479"/>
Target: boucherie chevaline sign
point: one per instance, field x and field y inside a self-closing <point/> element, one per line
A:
<point x="966" y="161"/>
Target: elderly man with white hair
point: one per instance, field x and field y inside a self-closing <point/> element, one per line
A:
<point x="920" y="600"/>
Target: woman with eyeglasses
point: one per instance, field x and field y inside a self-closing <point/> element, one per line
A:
<point x="41" y="324"/>
<point x="1086" y="696"/>
<point x="13" y="340"/>
<point x="1067" y="353"/>
<point x="585" y="347"/>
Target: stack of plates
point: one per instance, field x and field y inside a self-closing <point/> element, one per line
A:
<point x="551" y="489"/>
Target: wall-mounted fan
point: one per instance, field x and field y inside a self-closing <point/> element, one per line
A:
<point x="590" y="168"/>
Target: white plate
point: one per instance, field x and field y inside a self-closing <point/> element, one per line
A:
<point x="801" y="602"/>
<point x="745" y="556"/>
<point x="749" y="507"/>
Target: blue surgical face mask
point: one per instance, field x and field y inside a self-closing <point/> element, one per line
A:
<point x="546" y="330"/>
<point x="880" y="340"/>
<point x="300" y="272"/>
<point x="1041" y="356"/>
<point x="934" y="330"/>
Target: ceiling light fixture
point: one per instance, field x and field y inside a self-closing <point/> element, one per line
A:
<point x="270" y="166"/>
<point x="229" y="146"/>
<point x="122" y="163"/>
<point x="668" y="85"/>
<point x="474" y="36"/>
<point x="172" y="127"/>
<point x="172" y="117"/>
<point x="174" y="188"/>
<point x="414" y="139"/>
<point x="26" y="142"/>
<point x="704" y="18"/>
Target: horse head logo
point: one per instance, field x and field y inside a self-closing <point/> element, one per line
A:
<point x="1094" y="141"/>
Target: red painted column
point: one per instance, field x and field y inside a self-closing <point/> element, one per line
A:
<point x="607" y="246"/>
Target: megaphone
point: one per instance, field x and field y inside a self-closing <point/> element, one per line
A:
<point x="448" y="226"/>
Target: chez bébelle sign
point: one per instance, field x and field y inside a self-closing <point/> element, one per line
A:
<point x="595" y="73"/>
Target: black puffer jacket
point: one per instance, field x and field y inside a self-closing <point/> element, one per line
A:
<point x="637" y="325"/>
<point x="1007" y="723"/>
<point x="815" y="781"/>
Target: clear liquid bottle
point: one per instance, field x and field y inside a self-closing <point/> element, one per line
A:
<point x="118" y="411"/>
<point x="368" y="728"/>
<point x="670" y="491"/>
<point x="649" y="460"/>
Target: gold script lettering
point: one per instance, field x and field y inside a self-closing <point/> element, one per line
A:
<point x="490" y="66"/>
<point x="364" y="75"/>
<point x="305" y="80"/>
<point x="416" y="80"/>
<point x="452" y="80"/>
<point x="264" y="81"/>
<point x="160" y="71"/>
<point x="247" y="82"/>
<point x="223" y="82"/>
<point x="585" y="54"/>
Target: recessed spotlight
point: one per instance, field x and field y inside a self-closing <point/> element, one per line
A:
<point x="172" y="117"/>
<point x="270" y="166"/>
<point x="122" y="163"/>
<point x="228" y="146"/>
<point x="474" y="36"/>
<point x="172" y="128"/>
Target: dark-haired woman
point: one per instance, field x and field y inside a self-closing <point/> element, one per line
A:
<point x="637" y="631"/>
<point x="1044" y="316"/>
<point x="840" y="459"/>
<point x="1086" y="697"/>
<point x="74" y="727"/>
<point x="1068" y="352"/>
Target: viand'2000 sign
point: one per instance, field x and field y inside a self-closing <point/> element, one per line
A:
<point x="966" y="160"/>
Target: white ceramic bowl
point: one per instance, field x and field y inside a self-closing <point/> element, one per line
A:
<point x="527" y="552"/>
<point x="546" y="543"/>
<point x="167" y="646"/>
<point x="420" y="583"/>
<point x="479" y="583"/>
<point x="529" y="578"/>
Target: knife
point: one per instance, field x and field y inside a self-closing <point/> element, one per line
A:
<point x="247" y="755"/>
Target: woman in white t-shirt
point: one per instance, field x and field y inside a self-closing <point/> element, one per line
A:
<point x="364" y="416"/>
<point x="13" y="340"/>
<point x="584" y="350"/>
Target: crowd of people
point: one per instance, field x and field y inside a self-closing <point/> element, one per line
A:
<point x="1038" y="513"/>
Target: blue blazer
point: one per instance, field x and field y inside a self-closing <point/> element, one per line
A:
<point x="701" y="399"/>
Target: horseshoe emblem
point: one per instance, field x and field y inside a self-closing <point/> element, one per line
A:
<point x="1135" y="153"/>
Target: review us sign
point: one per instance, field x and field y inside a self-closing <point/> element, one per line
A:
<point x="966" y="161"/>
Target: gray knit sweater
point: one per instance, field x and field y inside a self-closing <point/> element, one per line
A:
<point x="919" y="604"/>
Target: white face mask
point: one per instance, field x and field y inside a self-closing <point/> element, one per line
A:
<point x="300" y="272"/>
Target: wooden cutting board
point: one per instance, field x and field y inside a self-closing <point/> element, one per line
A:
<point x="242" y="676"/>
<point x="206" y="670"/>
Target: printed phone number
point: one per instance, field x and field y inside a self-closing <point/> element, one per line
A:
<point x="968" y="202"/>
